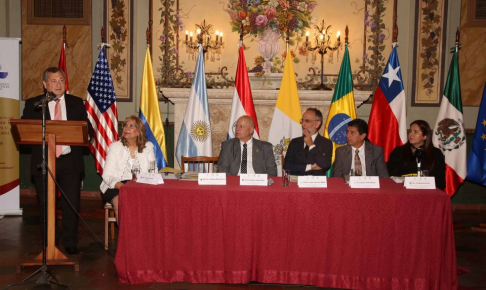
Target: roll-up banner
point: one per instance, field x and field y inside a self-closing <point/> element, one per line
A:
<point x="9" y="109"/>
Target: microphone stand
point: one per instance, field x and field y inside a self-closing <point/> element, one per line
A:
<point x="45" y="274"/>
<point x="168" y="101"/>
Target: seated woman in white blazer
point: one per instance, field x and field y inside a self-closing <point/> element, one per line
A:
<point x="133" y="149"/>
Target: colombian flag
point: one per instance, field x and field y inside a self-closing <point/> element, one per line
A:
<point x="150" y="113"/>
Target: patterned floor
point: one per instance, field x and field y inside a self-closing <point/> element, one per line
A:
<point x="21" y="235"/>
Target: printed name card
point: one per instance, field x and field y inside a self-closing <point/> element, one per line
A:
<point x="364" y="182"/>
<point x="420" y="182"/>
<point x="254" y="179"/>
<point x="211" y="178"/>
<point x="312" y="181"/>
<point x="150" y="178"/>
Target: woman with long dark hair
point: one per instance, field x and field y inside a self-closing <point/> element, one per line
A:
<point x="132" y="150"/>
<point x="419" y="148"/>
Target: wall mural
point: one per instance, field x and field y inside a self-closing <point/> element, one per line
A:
<point x="429" y="52"/>
<point x="266" y="22"/>
<point x="118" y="24"/>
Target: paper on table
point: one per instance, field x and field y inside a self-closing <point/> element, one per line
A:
<point x="398" y="179"/>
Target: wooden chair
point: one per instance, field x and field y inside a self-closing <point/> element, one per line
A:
<point x="110" y="222"/>
<point x="202" y="164"/>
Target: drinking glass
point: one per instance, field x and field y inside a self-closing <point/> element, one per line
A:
<point x="424" y="173"/>
<point x="151" y="166"/>
<point x="286" y="177"/>
<point x="135" y="171"/>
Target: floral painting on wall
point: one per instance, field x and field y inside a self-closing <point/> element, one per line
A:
<point x="264" y="26"/>
<point x="118" y="35"/>
<point x="429" y="53"/>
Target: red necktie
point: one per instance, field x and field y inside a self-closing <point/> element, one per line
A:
<point x="58" y="116"/>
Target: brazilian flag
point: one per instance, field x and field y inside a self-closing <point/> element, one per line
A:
<point x="343" y="108"/>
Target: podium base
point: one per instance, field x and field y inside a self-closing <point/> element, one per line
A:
<point x="31" y="259"/>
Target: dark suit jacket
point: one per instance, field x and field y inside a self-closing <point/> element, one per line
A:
<point x="375" y="162"/>
<point x="402" y="162"/>
<point x="296" y="160"/>
<point x="262" y="155"/>
<point x="75" y="111"/>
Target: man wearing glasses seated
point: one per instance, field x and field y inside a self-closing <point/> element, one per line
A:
<point x="245" y="154"/>
<point x="310" y="154"/>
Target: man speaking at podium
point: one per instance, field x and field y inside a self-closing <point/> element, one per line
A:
<point x="69" y="159"/>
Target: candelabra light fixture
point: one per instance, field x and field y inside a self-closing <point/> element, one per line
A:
<point x="322" y="36"/>
<point x="212" y="42"/>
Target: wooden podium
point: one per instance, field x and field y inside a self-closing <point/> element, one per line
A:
<point x="72" y="133"/>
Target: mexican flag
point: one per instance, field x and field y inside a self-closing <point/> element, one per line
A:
<point x="449" y="134"/>
<point x="343" y="108"/>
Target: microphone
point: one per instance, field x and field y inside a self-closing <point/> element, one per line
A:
<point x="419" y="154"/>
<point x="50" y="96"/>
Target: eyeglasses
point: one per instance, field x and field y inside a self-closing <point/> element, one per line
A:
<point x="131" y="126"/>
<point x="307" y="121"/>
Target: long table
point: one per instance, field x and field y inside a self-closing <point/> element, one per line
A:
<point x="387" y="238"/>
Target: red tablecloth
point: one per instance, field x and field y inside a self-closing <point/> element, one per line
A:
<point x="391" y="238"/>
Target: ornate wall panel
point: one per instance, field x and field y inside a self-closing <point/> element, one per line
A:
<point x="472" y="59"/>
<point x="429" y="53"/>
<point x="41" y="47"/>
<point x="369" y="22"/>
<point x="118" y="34"/>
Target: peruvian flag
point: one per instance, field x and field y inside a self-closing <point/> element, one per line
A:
<point x="62" y="65"/>
<point x="242" y="99"/>
<point x="449" y="134"/>
<point x="387" y="123"/>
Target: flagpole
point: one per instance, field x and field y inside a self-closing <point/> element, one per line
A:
<point x="395" y="25"/>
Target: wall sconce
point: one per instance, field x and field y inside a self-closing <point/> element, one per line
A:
<point x="211" y="42"/>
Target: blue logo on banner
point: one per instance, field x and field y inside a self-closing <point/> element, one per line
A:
<point x="337" y="128"/>
<point x="3" y="73"/>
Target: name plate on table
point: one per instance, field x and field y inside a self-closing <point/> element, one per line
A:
<point x="420" y="182"/>
<point x="150" y="178"/>
<point x="211" y="178"/>
<point x="364" y="182"/>
<point x="254" y="179"/>
<point x="312" y="181"/>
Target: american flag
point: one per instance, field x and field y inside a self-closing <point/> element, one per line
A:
<point x="102" y="113"/>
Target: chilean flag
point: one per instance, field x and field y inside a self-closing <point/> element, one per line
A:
<point x="387" y="124"/>
<point x="242" y="98"/>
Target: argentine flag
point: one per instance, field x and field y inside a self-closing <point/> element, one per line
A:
<point x="195" y="136"/>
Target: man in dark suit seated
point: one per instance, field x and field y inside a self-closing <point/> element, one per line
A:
<point x="244" y="154"/>
<point x="310" y="154"/>
<point x="69" y="159"/>
<point x="359" y="157"/>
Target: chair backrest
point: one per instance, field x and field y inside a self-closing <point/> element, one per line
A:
<point x="202" y="164"/>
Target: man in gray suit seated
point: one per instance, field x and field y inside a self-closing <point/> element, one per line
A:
<point x="245" y="154"/>
<point x="359" y="157"/>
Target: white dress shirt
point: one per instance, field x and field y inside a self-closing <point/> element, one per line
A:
<point x="52" y="112"/>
